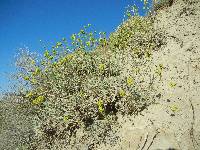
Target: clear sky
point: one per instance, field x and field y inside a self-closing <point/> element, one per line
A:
<point x="26" y="22"/>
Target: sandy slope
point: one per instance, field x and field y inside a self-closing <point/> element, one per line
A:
<point x="175" y="121"/>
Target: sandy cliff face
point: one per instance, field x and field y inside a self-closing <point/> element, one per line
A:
<point x="173" y="122"/>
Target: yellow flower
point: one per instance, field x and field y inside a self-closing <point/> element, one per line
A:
<point x="58" y="44"/>
<point x="100" y="106"/>
<point x="73" y="37"/>
<point x="82" y="31"/>
<point x="82" y="94"/>
<point x="130" y="81"/>
<point x="32" y="62"/>
<point x="145" y="2"/>
<point x="101" y="109"/>
<point x="69" y="56"/>
<point x="38" y="100"/>
<point x="88" y="43"/>
<point x="62" y="61"/>
<point x="65" y="118"/>
<point x="36" y="72"/>
<point x="47" y="55"/>
<point x="102" y="67"/>
<point x="26" y="78"/>
<point x="55" y="64"/>
<point x="172" y="84"/>
<point x="122" y="93"/>
<point x="30" y="94"/>
<point x="174" y="108"/>
<point x="54" y="52"/>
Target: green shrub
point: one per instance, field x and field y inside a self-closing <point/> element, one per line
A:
<point x="85" y="86"/>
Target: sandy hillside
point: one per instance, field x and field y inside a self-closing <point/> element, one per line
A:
<point x="173" y="122"/>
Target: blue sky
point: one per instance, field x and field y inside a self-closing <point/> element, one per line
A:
<point x="26" y="22"/>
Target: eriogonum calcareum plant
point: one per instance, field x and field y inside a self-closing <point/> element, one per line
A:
<point x="83" y="85"/>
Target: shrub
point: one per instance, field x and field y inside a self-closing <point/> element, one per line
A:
<point x="78" y="92"/>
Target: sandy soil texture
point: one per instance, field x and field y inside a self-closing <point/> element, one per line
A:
<point x="174" y="121"/>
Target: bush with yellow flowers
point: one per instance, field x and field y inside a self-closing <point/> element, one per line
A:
<point x="84" y="85"/>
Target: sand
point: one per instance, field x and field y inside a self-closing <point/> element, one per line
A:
<point x="174" y="121"/>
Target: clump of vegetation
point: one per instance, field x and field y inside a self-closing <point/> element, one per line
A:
<point x="16" y="126"/>
<point x="75" y="91"/>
